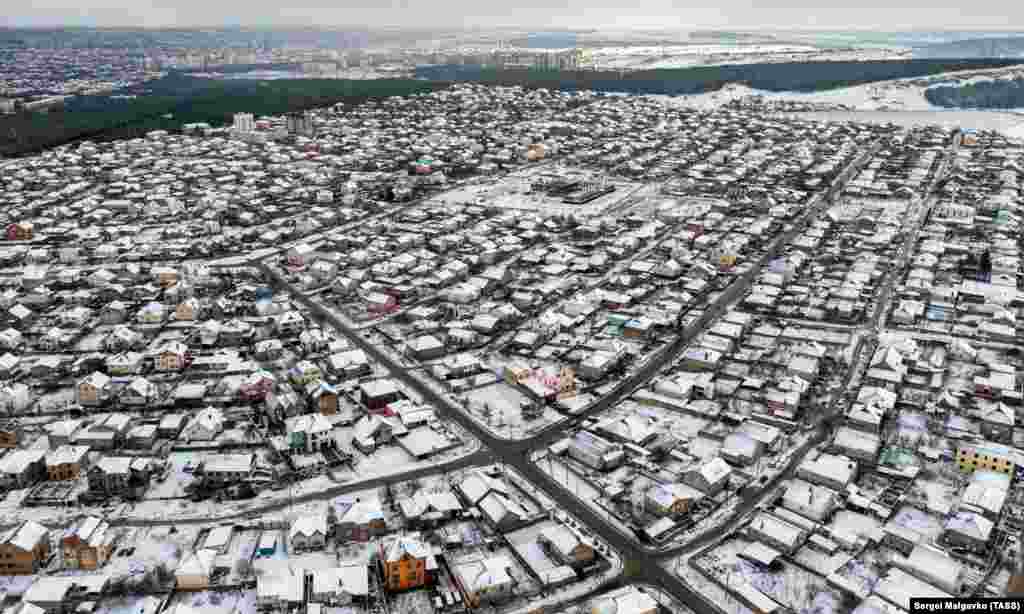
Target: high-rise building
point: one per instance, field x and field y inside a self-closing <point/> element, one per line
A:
<point x="243" y="123"/>
<point x="300" y="123"/>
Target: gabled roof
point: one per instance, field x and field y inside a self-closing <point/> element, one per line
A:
<point x="308" y="526"/>
<point x="25" y="536"/>
<point x="406" y="545"/>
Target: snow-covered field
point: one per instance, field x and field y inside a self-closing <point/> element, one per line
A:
<point x="899" y="101"/>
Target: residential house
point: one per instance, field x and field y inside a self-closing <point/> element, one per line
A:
<point x="206" y="425"/>
<point x="105" y="433"/>
<point x="377" y="394"/>
<point x="10" y="433"/>
<point x="188" y="310"/>
<point x="304" y="373"/>
<point x="323" y="398"/>
<point x="280" y="588"/>
<point x="835" y="472"/>
<point x="94" y="390"/>
<point x="595" y="451"/>
<point x="308" y="532"/>
<point x="427" y="509"/>
<point x="988" y="456"/>
<point x="141" y="437"/>
<point x="139" y="393"/>
<point x="87" y="544"/>
<point x="671" y="499"/>
<point x="171" y="425"/>
<point x="150" y="314"/>
<point x="309" y="433"/>
<point x="776" y="532"/>
<point x="24" y="549"/>
<point x="22" y="468"/>
<point x="67" y="462"/>
<point x="289" y="323"/>
<point x="15" y="397"/>
<point x="174" y="356"/>
<point x="340" y="586"/>
<point x="123" y="338"/>
<point x="126" y="477"/>
<point x="371" y="432"/>
<point x="627" y="600"/>
<point x="124" y="363"/>
<point x="62" y="431"/>
<point x="934" y="567"/>
<point x="710" y="477"/>
<point x="194" y="571"/>
<point x="741" y="449"/>
<point x="405" y="559"/>
<point x="809" y="500"/>
<point x="227" y="468"/>
<point x="856" y="444"/>
<point x="566" y="546"/>
<point x="359" y="520"/>
<point x="484" y="579"/>
<point x="968" y="530"/>
<point x="502" y="512"/>
<point x="349" y="364"/>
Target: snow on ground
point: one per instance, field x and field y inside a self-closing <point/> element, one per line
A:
<point x="863" y="572"/>
<point x="711" y="590"/>
<point x="215" y="602"/>
<point x="859" y="524"/>
<point x="506" y="416"/>
<point x="924" y="523"/>
<point x="15" y="585"/>
<point x="812" y="558"/>
<point x="939" y="494"/>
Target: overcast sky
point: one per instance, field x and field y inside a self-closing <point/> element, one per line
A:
<point x="860" y="14"/>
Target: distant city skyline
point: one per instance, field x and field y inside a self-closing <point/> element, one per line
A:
<point x="874" y="15"/>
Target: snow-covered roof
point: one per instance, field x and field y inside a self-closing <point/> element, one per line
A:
<point x="26" y="535"/>
<point x="310" y="525"/>
<point x="400" y="546"/>
<point x="349" y="579"/>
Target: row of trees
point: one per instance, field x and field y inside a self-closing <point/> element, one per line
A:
<point x="179" y="99"/>
<point x="781" y="77"/>
<point x="1001" y="94"/>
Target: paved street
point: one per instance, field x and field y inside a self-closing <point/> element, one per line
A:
<point x="642" y="560"/>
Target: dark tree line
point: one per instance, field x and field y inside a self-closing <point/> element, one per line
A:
<point x="178" y="99"/>
<point x="782" y="77"/>
<point x="1002" y="94"/>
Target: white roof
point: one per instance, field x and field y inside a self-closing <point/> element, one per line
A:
<point x="970" y="524"/>
<point x="480" y="575"/>
<point x="228" y="463"/>
<point x="833" y="467"/>
<point x="281" y="582"/>
<point x="898" y="587"/>
<point x="853" y="439"/>
<point x="309" y="526"/>
<point x="561" y="538"/>
<point x="16" y="461"/>
<point x="715" y="470"/>
<point x="350" y="579"/>
<point x="199" y="563"/>
<point x="776" y="528"/>
<point x="218" y="537"/>
<point x="26" y="535"/>
<point x="67" y="454"/>
<point x="401" y="545"/>
<point x="496" y="507"/>
<point x="933" y="566"/>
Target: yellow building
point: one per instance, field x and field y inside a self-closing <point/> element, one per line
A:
<point x="987" y="456"/>
<point x="405" y="562"/>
